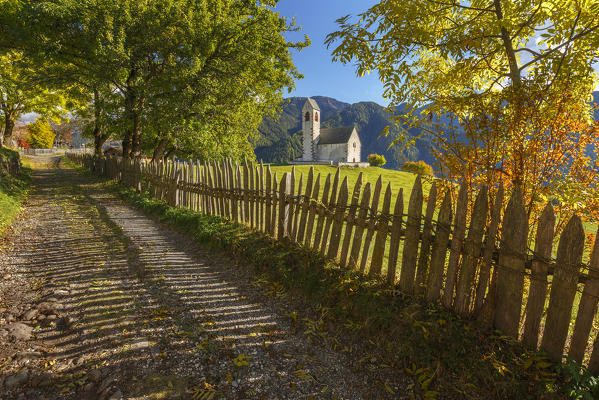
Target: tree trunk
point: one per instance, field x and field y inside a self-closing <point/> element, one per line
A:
<point x="9" y="124"/>
<point x="160" y="149"/>
<point x="99" y="138"/>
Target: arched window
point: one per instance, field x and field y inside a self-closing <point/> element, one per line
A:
<point x="354" y="145"/>
<point x="316" y="116"/>
<point x="307" y="117"/>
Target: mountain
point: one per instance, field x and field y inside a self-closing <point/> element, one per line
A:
<point x="280" y="140"/>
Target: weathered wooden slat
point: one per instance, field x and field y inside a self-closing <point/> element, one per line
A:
<point x="360" y="227"/>
<point x="235" y="181"/>
<point x="396" y="230"/>
<point x="330" y="213"/>
<point x="563" y="288"/>
<point x="587" y="309"/>
<point x="490" y="245"/>
<point x="407" y="275"/>
<point x="594" y="361"/>
<point x="457" y="240"/>
<point x="351" y="220"/>
<point x="426" y="242"/>
<point x="261" y="197"/>
<point x="305" y="207"/>
<point x="297" y="208"/>
<point x="538" y="282"/>
<point x="512" y="259"/>
<point x="439" y="250"/>
<point x="291" y="202"/>
<point x="472" y="250"/>
<point x="284" y="192"/>
<point x="212" y="200"/>
<point x="321" y="212"/>
<point x="275" y="203"/>
<point x="246" y="193"/>
<point x="338" y="220"/>
<point x="312" y="213"/>
<point x="371" y="223"/>
<point x="252" y="192"/>
<point x="382" y="230"/>
<point x="268" y="212"/>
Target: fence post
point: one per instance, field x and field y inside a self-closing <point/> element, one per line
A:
<point x="407" y="274"/>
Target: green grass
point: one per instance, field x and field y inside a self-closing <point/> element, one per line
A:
<point x="397" y="179"/>
<point x="13" y="190"/>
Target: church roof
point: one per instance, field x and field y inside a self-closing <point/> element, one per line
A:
<point x="313" y="104"/>
<point x="336" y="135"/>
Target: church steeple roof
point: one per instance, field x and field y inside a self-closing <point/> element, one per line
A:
<point x="313" y="104"/>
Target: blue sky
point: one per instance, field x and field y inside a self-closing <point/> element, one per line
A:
<point x="322" y="76"/>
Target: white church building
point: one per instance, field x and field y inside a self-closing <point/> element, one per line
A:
<point x="341" y="146"/>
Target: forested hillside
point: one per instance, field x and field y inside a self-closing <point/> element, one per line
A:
<point x="280" y="140"/>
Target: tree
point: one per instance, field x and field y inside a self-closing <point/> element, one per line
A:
<point x="23" y="89"/>
<point x="418" y="167"/>
<point x="377" y="160"/>
<point x="494" y="80"/>
<point x="173" y="64"/>
<point x="41" y="135"/>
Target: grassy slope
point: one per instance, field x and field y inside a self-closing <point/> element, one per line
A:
<point x="13" y="190"/>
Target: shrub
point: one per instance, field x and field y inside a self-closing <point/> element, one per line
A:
<point x="41" y="135"/>
<point x="419" y="167"/>
<point x="377" y="160"/>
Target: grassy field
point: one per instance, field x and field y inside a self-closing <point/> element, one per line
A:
<point x="397" y="179"/>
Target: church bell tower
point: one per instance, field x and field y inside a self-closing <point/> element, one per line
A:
<point x="310" y="129"/>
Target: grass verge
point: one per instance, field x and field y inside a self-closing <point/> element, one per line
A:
<point x="13" y="190"/>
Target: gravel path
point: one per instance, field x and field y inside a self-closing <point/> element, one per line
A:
<point x="97" y="301"/>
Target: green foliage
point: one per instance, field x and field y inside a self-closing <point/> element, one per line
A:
<point x="41" y="135"/>
<point x="173" y="77"/>
<point x="580" y="384"/>
<point x="377" y="160"/>
<point x="419" y="167"/>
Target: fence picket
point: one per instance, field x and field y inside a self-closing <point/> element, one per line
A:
<point x="439" y="250"/>
<point x="291" y="201"/>
<point x="305" y="206"/>
<point x="321" y="212"/>
<point x="382" y="229"/>
<point x="457" y="240"/>
<point x="267" y="195"/>
<point x="297" y="208"/>
<point x="563" y="288"/>
<point x="587" y="309"/>
<point x="340" y="205"/>
<point x="512" y="259"/>
<point x="371" y="223"/>
<point x="312" y="212"/>
<point x="330" y="213"/>
<point x="261" y="197"/>
<point x="284" y="192"/>
<point x="490" y="245"/>
<point x="538" y="283"/>
<point x="396" y="231"/>
<point x="360" y="226"/>
<point x="351" y="220"/>
<point x="274" y="202"/>
<point x="407" y="275"/>
<point x="471" y="253"/>
<point x="427" y="238"/>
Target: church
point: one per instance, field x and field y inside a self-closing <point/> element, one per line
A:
<point x="341" y="146"/>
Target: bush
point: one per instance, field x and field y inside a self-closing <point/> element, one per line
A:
<point x="377" y="160"/>
<point x="419" y="167"/>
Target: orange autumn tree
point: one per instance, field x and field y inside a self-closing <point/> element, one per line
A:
<point x="549" y="144"/>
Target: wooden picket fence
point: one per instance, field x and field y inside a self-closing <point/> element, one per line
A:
<point x="480" y="271"/>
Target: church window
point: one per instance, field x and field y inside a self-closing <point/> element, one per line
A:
<point x="354" y="145"/>
<point x="307" y="118"/>
<point x="316" y="117"/>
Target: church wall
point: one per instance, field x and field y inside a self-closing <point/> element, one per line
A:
<point x="333" y="152"/>
<point x="354" y="153"/>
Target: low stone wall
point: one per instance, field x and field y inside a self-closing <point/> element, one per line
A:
<point x="354" y="164"/>
<point x="38" y="152"/>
